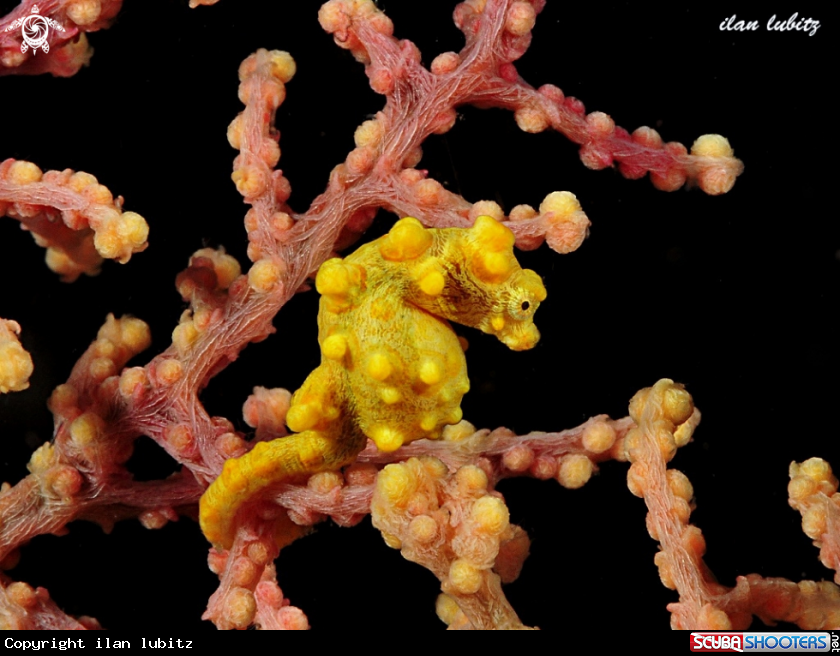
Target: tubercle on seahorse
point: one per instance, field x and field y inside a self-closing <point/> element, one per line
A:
<point x="392" y="369"/>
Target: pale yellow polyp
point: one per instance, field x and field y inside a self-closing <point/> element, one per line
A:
<point x="712" y="145"/>
<point x="334" y="347"/>
<point x="432" y="283"/>
<point x="430" y="372"/>
<point x="15" y="363"/>
<point x="378" y="367"/>
<point x="264" y="275"/>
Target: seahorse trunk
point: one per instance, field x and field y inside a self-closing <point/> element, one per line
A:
<point x="392" y="369"/>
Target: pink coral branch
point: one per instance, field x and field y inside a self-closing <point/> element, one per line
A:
<point x="658" y="412"/>
<point x="454" y="524"/>
<point x="808" y="604"/>
<point x="392" y="141"/>
<point x="511" y="455"/>
<point x="82" y="472"/>
<point x="25" y="608"/>
<point x="72" y="215"/>
<point x="666" y="419"/>
<point x="248" y="593"/>
<point x="33" y="507"/>
<point x="501" y="453"/>
<point x="273" y="610"/>
<point x="830" y="548"/>
<point x="711" y="163"/>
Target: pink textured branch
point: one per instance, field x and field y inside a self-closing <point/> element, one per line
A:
<point x="72" y="215"/>
<point x="81" y="474"/>
<point x="501" y="453"/>
<point x="25" y="608"/>
<point x="248" y="589"/>
<point x="666" y="420"/>
<point x="711" y="163"/>
<point x="423" y="102"/>
<point x="830" y="550"/>
<point x="659" y="412"/>
<point x="808" y="604"/>
<point x="274" y="612"/>
<point x="507" y="454"/>
<point x="455" y="525"/>
<point x="35" y="506"/>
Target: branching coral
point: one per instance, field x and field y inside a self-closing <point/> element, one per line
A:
<point x="647" y="295"/>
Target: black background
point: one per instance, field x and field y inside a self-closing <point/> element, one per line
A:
<point x="733" y="296"/>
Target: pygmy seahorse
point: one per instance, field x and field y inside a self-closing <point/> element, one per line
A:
<point x="392" y="369"/>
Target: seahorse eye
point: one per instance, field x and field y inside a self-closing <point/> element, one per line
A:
<point x="523" y="307"/>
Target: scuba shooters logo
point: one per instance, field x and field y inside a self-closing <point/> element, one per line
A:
<point x="752" y="641"/>
<point x="35" y="29"/>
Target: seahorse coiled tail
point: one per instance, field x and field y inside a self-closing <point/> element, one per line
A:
<point x="392" y="369"/>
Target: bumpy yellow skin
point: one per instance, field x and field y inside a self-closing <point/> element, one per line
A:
<point x="392" y="369"/>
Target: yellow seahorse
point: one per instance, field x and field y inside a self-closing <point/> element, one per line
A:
<point x="392" y="369"/>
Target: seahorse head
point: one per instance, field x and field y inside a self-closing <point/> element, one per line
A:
<point x="470" y="277"/>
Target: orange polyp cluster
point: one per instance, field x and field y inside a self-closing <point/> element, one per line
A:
<point x="452" y="523"/>
<point x="391" y="369"/>
<point x="15" y="362"/>
<point x="813" y="492"/>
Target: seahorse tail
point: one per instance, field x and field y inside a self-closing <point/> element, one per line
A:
<point x="246" y="478"/>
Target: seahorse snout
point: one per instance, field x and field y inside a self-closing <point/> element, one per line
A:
<point x="521" y="337"/>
